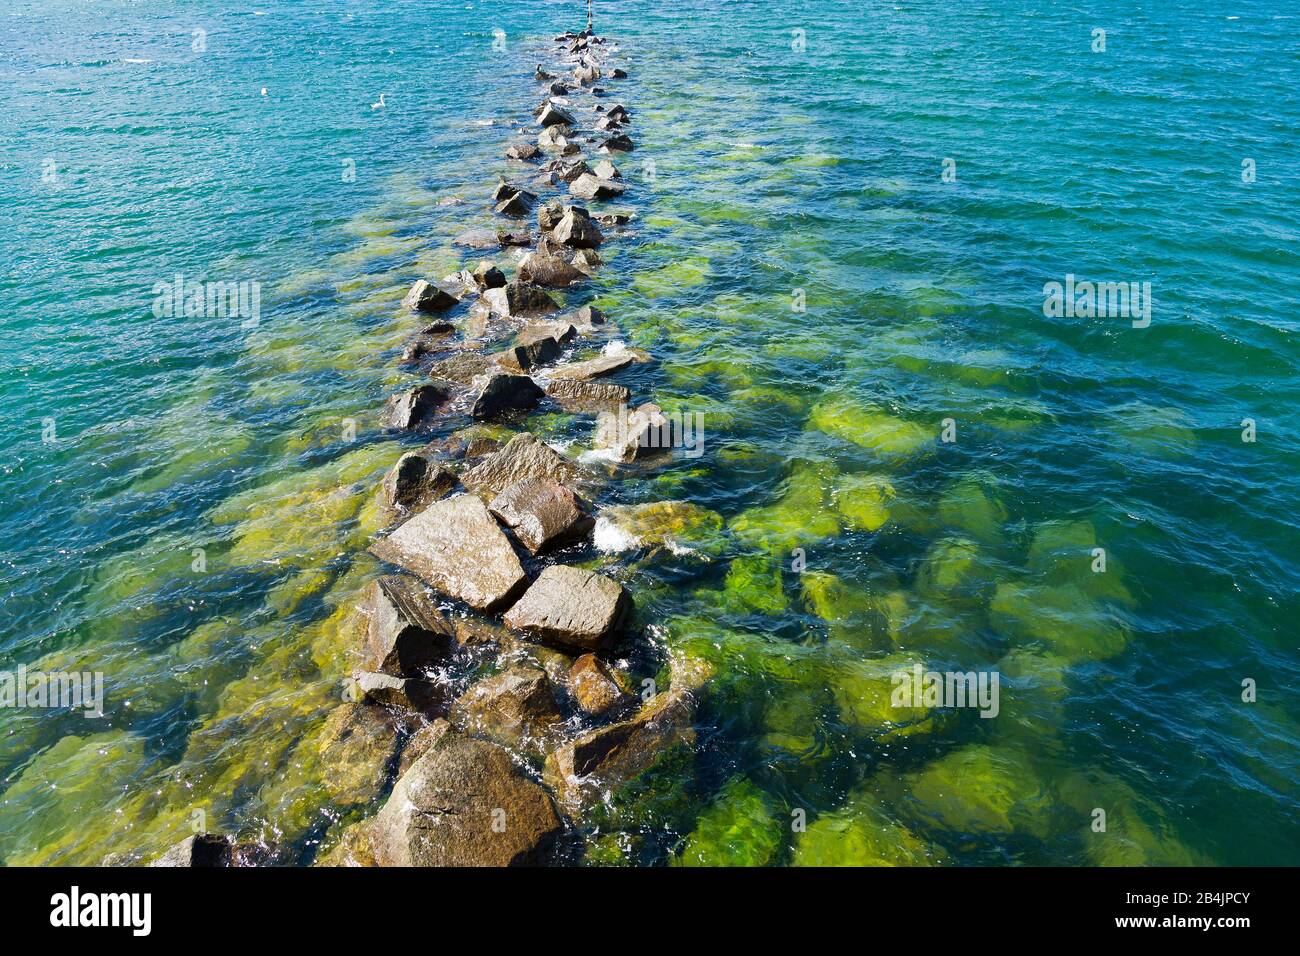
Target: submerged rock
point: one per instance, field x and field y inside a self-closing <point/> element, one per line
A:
<point x="426" y="297"/>
<point x="677" y="525"/>
<point x="415" y="481"/>
<point x="594" y="686"/>
<point x="504" y="393"/>
<point x="515" y="708"/>
<point x="406" y="633"/>
<point x="456" y="546"/>
<point x="524" y="456"/>
<point x="354" y="753"/>
<point x="606" y="757"/>
<point x="860" y="834"/>
<point x="411" y="408"/>
<point x="576" y="396"/>
<point x="465" y="803"/>
<point x="520" y="299"/>
<point x="542" y="513"/>
<point x="571" y="607"/>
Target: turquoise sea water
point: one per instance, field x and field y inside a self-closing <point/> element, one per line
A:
<point x="133" y="148"/>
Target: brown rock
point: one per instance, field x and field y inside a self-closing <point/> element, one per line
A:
<point x="523" y="457"/>
<point x="488" y="276"/>
<point x="477" y="239"/>
<point x="457" y="547"/>
<point x="402" y="693"/>
<point x="516" y="204"/>
<point x="571" y="607"/>
<point x="465" y="803"/>
<point x="544" y="268"/>
<point x="594" y="686"/>
<point x="461" y="369"/>
<point x="421" y="742"/>
<point x="522" y="151"/>
<point x="355" y="748"/>
<point x="202" y="849"/>
<point x="542" y="513"/>
<point x="643" y="432"/>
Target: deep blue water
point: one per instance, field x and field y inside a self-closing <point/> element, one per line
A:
<point x="768" y="171"/>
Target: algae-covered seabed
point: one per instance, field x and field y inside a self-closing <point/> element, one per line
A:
<point x="765" y="176"/>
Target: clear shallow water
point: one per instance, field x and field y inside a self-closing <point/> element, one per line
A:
<point x="774" y="171"/>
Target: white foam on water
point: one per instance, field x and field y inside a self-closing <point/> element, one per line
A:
<point x="611" y="539"/>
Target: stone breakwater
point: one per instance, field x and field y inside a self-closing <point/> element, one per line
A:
<point x="499" y="687"/>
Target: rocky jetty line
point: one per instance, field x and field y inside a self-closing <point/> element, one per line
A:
<point x="499" y="772"/>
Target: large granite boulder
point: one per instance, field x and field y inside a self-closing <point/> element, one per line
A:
<point x="356" y="746"/>
<point x="504" y="393"/>
<point x="456" y="546"/>
<point x="522" y="151"/>
<point x="516" y="708"/>
<point x="591" y="186"/>
<point x="465" y="803"/>
<point x="406" y="634"/>
<point x="571" y="608"/>
<point x="542" y="513"/>
<point x="401" y="693"/>
<point x="606" y="170"/>
<point x="524" y="456"/>
<point x="552" y="114"/>
<point x="427" y="297"/>
<point x="621" y="143"/>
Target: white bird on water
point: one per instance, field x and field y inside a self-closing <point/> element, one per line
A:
<point x="380" y="104"/>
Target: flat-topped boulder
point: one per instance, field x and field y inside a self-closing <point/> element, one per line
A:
<point x="542" y="513"/>
<point x="576" y="396"/>
<point x="559" y="329"/>
<point x="406" y="634"/>
<point x="572" y="608"/>
<point x="427" y="297"/>
<point x="516" y="708"/>
<point x="520" y="300"/>
<point x="465" y="803"/>
<point x="414" y="482"/>
<point x="594" y="368"/>
<point x="591" y="186"/>
<point x="461" y="369"/>
<point x="457" y="547"/>
<point x="411" y="408"/>
<point x="524" y="456"/>
<point x="505" y="393"/>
